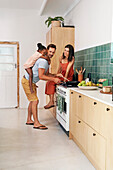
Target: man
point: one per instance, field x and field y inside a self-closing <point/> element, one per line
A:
<point x="40" y="72"/>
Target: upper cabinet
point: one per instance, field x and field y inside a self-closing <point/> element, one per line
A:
<point x="60" y="36"/>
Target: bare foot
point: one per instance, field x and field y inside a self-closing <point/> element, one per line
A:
<point x="29" y="121"/>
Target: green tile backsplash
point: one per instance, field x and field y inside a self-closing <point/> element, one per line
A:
<point x="97" y="60"/>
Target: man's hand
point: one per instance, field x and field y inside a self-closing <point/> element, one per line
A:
<point x="57" y="80"/>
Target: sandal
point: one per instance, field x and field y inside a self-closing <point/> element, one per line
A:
<point x="29" y="123"/>
<point x="41" y="127"/>
<point x="49" y="107"/>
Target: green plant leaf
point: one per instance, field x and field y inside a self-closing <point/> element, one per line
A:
<point x="48" y="21"/>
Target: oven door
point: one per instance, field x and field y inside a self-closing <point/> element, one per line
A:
<point x="61" y="110"/>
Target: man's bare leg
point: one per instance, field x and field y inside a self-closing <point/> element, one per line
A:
<point x="35" y="115"/>
<point x="29" y="120"/>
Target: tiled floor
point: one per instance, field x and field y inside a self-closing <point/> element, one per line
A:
<point x="25" y="148"/>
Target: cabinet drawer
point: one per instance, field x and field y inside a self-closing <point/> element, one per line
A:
<point x="79" y="131"/>
<point x="93" y="112"/>
<point x="96" y="148"/>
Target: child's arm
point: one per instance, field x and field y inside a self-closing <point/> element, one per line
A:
<point x="47" y="58"/>
<point x="29" y="71"/>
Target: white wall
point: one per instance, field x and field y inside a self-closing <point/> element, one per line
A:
<point x="112" y="21"/>
<point x="27" y="27"/>
<point x="93" y="23"/>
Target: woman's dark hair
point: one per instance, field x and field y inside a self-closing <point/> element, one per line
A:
<point x="41" y="47"/>
<point x="71" y="52"/>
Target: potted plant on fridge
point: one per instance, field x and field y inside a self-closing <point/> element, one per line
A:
<point x="56" y="21"/>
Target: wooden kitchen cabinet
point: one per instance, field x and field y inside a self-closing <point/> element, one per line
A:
<point x="92" y="129"/>
<point x="96" y="148"/>
<point x="77" y="127"/>
<point x="77" y="101"/>
<point x="60" y="36"/>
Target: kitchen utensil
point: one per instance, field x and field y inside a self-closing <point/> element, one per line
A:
<point x="76" y="70"/>
<point x="70" y="83"/>
<point x="83" y="70"/>
<point x="65" y="78"/>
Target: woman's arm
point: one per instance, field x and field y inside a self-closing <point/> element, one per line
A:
<point x="59" y="67"/>
<point x="69" y="67"/>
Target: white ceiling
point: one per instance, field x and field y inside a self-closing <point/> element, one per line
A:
<point x="44" y="7"/>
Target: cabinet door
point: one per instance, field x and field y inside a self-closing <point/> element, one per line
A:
<point x="96" y="148"/>
<point x="109" y="157"/>
<point x="77" y="104"/>
<point x="93" y="112"/>
<point x="106" y="123"/>
<point x="79" y="131"/>
<point x="60" y="37"/>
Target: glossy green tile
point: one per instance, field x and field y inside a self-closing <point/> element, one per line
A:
<point x="96" y="60"/>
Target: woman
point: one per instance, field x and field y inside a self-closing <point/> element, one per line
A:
<point x="65" y="70"/>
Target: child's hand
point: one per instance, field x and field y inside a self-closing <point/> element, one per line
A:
<point x="49" y="61"/>
<point x="32" y="91"/>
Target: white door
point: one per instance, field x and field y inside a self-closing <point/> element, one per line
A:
<point x="8" y="76"/>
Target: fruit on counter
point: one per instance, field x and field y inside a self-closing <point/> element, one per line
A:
<point x="83" y="83"/>
<point x="79" y="84"/>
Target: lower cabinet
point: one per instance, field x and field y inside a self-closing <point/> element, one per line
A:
<point x="90" y="141"/>
<point x="79" y="131"/>
<point x="96" y="148"/>
<point x="92" y="129"/>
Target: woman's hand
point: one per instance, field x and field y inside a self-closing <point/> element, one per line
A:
<point x="57" y="80"/>
<point x="59" y="75"/>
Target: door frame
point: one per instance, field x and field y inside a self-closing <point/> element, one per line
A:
<point x="18" y="74"/>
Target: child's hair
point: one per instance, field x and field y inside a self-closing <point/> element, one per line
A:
<point x="41" y="47"/>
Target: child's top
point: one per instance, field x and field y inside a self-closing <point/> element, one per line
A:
<point x="31" y="60"/>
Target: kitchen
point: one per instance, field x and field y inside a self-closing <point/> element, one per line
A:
<point x="93" y="21"/>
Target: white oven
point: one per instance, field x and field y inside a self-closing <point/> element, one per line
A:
<point x="62" y="106"/>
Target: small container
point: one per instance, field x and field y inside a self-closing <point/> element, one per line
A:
<point x="106" y="89"/>
<point x="80" y="77"/>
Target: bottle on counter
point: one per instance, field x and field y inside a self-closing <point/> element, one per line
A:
<point x="89" y="76"/>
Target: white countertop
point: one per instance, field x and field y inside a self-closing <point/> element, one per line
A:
<point x="95" y="94"/>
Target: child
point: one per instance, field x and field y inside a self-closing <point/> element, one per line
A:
<point x="40" y="53"/>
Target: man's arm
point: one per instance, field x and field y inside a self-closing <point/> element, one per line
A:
<point x="29" y="71"/>
<point x="42" y="76"/>
<point x="53" y="75"/>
